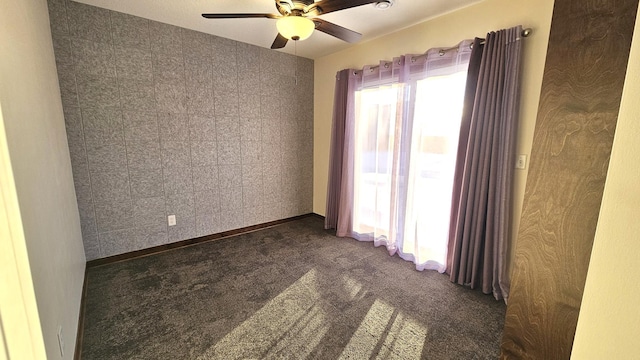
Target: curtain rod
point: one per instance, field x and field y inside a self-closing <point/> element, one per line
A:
<point x="524" y="33"/>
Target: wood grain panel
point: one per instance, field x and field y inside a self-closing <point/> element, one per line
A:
<point x="582" y="85"/>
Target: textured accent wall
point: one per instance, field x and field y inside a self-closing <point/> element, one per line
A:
<point x="163" y="120"/>
<point x="579" y="102"/>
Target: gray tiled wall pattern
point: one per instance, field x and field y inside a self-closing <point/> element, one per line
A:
<point x="168" y="121"/>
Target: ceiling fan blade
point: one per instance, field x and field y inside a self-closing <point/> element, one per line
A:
<point x="236" y="16"/>
<point x="279" y="42"/>
<point x="327" y="6"/>
<point x="338" y="31"/>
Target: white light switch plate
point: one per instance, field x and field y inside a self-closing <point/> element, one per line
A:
<point x="521" y="163"/>
<point x="172" y="220"/>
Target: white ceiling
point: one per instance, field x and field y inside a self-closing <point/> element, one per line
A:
<point x="365" y="19"/>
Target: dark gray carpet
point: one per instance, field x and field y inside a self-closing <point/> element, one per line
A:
<point x="293" y="291"/>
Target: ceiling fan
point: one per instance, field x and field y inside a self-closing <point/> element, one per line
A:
<point x="298" y="18"/>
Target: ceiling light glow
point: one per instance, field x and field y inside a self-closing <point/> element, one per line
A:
<point x="295" y="27"/>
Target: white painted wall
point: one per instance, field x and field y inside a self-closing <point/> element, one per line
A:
<point x="39" y="158"/>
<point x="609" y="320"/>
<point x="20" y="325"/>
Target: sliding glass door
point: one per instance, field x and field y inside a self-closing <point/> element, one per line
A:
<point x="406" y="138"/>
<point x="375" y="159"/>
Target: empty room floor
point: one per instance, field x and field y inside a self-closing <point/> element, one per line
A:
<point x="292" y="291"/>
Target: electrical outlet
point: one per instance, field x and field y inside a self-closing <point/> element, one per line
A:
<point x="521" y="163"/>
<point x="172" y="220"/>
<point x="60" y="341"/>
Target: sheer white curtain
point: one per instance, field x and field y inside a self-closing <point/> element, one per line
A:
<point x="376" y="167"/>
<point x="434" y="141"/>
<point x="399" y="151"/>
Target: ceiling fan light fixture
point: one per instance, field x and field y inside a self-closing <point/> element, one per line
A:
<point x="383" y="4"/>
<point x="295" y="27"/>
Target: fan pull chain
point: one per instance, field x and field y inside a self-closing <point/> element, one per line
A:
<point x="295" y="70"/>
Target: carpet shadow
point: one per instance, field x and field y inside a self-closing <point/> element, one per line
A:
<point x="293" y="291"/>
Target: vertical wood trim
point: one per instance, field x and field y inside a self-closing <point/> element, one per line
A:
<point x="581" y="90"/>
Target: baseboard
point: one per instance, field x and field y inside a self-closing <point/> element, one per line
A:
<point x="77" y="355"/>
<point x="317" y="216"/>
<point x="194" y="241"/>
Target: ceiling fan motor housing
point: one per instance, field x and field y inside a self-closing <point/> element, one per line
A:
<point x="298" y="7"/>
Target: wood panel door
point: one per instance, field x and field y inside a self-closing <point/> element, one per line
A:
<point x="582" y="85"/>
